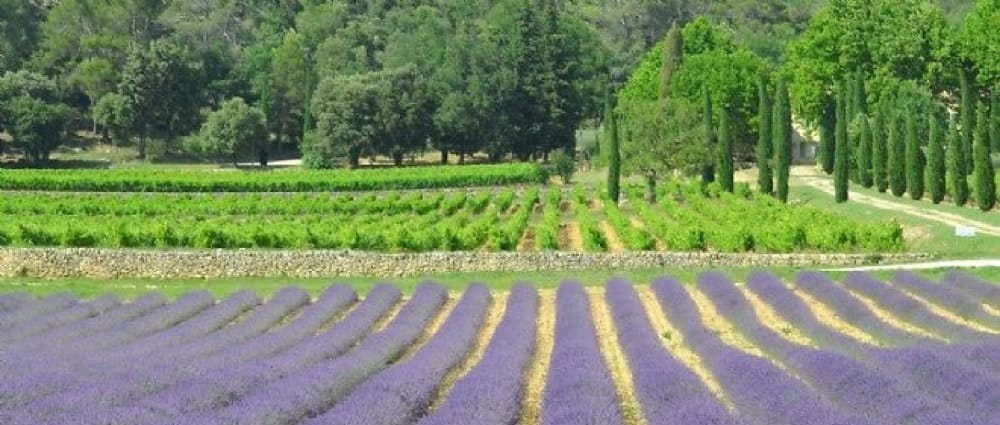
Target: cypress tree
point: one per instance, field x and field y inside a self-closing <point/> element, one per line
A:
<point x="827" y="134"/>
<point x="914" y="162"/>
<point x="995" y="121"/>
<point x="782" y="127"/>
<point x="860" y="98"/>
<point x="725" y="160"/>
<point x="986" y="190"/>
<point x="765" y="175"/>
<point x="956" y="166"/>
<point x="879" y="152"/>
<point x="708" y="168"/>
<point x="897" y="159"/>
<point x="614" y="164"/>
<point x="673" y="51"/>
<point x="841" y="164"/>
<point x="865" y="154"/>
<point x="968" y="111"/>
<point x="935" y="161"/>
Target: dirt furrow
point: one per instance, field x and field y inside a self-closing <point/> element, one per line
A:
<point x="772" y="320"/>
<point x="531" y="404"/>
<point x="719" y="325"/>
<point x="891" y="320"/>
<point x="673" y="341"/>
<point x="493" y="316"/>
<point x="828" y="317"/>
<point x="947" y="315"/>
<point x="614" y="358"/>
<point x="615" y="243"/>
<point x="439" y="318"/>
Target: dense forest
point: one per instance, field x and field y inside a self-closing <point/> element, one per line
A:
<point x="338" y="80"/>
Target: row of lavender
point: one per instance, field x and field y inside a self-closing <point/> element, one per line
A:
<point x="240" y="362"/>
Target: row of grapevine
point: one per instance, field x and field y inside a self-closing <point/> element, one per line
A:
<point x="293" y="360"/>
<point x="126" y="180"/>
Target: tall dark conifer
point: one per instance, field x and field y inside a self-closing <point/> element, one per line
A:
<point x="708" y="168"/>
<point x="880" y="151"/>
<point x="897" y="157"/>
<point x="782" y="127"/>
<point x="614" y="153"/>
<point x="956" y="166"/>
<point x="914" y="159"/>
<point x="968" y="113"/>
<point x="985" y="183"/>
<point x="725" y="151"/>
<point x="841" y="163"/>
<point x="865" y="152"/>
<point x="765" y="175"/>
<point x="673" y="51"/>
<point x="827" y="134"/>
<point x="935" y="161"/>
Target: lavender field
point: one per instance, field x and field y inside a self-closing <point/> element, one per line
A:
<point x="813" y="350"/>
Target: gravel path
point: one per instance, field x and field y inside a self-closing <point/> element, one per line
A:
<point x="995" y="262"/>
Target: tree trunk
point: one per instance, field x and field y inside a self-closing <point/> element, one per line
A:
<point x="142" y="142"/>
<point x="354" y="158"/>
<point x="651" y="187"/>
<point x="444" y="157"/>
<point x="461" y="158"/>
<point x="262" y="157"/>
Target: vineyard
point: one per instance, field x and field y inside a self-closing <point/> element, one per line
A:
<point x="142" y="180"/>
<point x="688" y="218"/>
<point x="811" y="351"/>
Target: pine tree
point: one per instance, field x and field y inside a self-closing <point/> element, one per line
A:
<point x="782" y="127"/>
<point x="968" y="111"/>
<point x="841" y="164"/>
<point x="935" y="161"/>
<point x="897" y="159"/>
<point x="879" y="152"/>
<point x="765" y="175"/>
<point x="725" y="160"/>
<point x="708" y="169"/>
<point x="914" y="160"/>
<point x="865" y="154"/>
<point x="827" y="134"/>
<point x="673" y="51"/>
<point x="986" y="190"/>
<point x="956" y="166"/>
<point x="614" y="163"/>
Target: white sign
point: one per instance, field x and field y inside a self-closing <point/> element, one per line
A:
<point x="965" y="232"/>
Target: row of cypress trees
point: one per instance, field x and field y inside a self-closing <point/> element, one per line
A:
<point x="884" y="149"/>
<point x="774" y="143"/>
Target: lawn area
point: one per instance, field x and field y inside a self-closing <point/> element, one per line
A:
<point x="922" y="235"/>
<point x="455" y="282"/>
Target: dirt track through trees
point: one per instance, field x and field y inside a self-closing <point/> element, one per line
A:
<point x="945" y="218"/>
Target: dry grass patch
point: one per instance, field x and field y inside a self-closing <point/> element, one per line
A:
<point x="615" y="243"/>
<point x="497" y="307"/>
<point x="531" y="403"/>
<point x="615" y="358"/>
<point x="570" y="238"/>
<point x="673" y="341"/>
<point x="828" y="317"/>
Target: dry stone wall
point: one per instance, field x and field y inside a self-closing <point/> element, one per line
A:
<point x="127" y="263"/>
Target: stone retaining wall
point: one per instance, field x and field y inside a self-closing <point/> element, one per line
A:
<point x="127" y="263"/>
